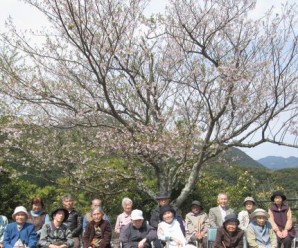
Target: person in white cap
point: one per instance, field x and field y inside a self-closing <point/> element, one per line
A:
<point x="137" y="234"/>
<point x="259" y="232"/>
<point x="19" y="233"/>
<point x="244" y="216"/>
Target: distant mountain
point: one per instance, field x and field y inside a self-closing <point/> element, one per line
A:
<point x="238" y="157"/>
<point x="277" y="163"/>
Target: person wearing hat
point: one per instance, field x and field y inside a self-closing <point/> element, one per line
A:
<point x="137" y="234"/>
<point x="19" y="233"/>
<point x="217" y="214"/>
<point x="37" y="216"/>
<point x="259" y="231"/>
<point x="3" y="224"/>
<point x="55" y="234"/>
<point x="197" y="224"/>
<point x="98" y="232"/>
<point x="281" y="220"/>
<point x="244" y="216"/>
<point x="229" y="235"/>
<point x="169" y="229"/>
<point x="163" y="199"/>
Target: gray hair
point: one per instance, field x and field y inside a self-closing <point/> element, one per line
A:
<point x="97" y="209"/>
<point x="221" y="194"/>
<point x="67" y="197"/>
<point x="126" y="200"/>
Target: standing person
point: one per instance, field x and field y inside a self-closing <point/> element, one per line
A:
<point x="259" y="231"/>
<point x="55" y="234"/>
<point x="74" y="220"/>
<point x="137" y="234"/>
<point x="98" y="232"/>
<point x="218" y="214"/>
<point x="244" y="216"/>
<point x="20" y="233"/>
<point x="281" y="220"/>
<point x="37" y="216"/>
<point x="123" y="219"/>
<point x="229" y="235"/>
<point x="197" y="223"/>
<point x="163" y="199"/>
<point x="88" y="216"/>
<point x="3" y="224"/>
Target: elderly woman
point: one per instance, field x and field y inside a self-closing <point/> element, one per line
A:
<point x="169" y="229"/>
<point x="244" y="216"/>
<point x="124" y="218"/>
<point x="98" y="232"/>
<point x="197" y="223"/>
<point x="19" y="233"/>
<point x="229" y="235"/>
<point x="259" y="232"/>
<point x="3" y="224"/>
<point x="37" y="216"/>
<point x="281" y="220"/>
<point x="56" y="234"/>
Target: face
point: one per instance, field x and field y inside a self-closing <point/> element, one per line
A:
<point x="277" y="200"/>
<point x="68" y="204"/>
<point x="195" y="209"/>
<point x="96" y="216"/>
<point x="164" y="202"/>
<point x="168" y="217"/>
<point x="249" y="206"/>
<point x="222" y="201"/>
<point x="20" y="218"/>
<point x="261" y="220"/>
<point x="231" y="226"/>
<point x="59" y="216"/>
<point x="127" y="207"/>
<point x="96" y="203"/>
<point x="137" y="223"/>
<point x="36" y="207"/>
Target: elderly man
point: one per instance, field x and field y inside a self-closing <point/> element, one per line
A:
<point x="87" y="218"/>
<point x="163" y="199"/>
<point x="218" y="214"/>
<point x="137" y="234"/>
<point x="74" y="220"/>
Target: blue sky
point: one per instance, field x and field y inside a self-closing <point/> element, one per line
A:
<point x="26" y="17"/>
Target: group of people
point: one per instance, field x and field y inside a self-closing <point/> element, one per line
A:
<point x="166" y="227"/>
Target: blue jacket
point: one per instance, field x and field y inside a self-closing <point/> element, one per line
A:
<point x="27" y="235"/>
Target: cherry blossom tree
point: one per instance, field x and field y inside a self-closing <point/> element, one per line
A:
<point x="168" y="92"/>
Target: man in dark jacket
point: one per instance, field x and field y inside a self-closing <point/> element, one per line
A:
<point x="74" y="220"/>
<point x="137" y="234"/>
<point x="164" y="200"/>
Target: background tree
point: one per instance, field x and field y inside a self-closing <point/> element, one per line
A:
<point x="169" y="92"/>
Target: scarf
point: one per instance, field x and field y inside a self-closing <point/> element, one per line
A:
<point x="262" y="233"/>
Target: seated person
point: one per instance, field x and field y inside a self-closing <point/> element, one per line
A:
<point x="55" y="234"/>
<point x="37" y="216"/>
<point x="169" y="229"/>
<point x="281" y="220"/>
<point x="20" y="233"/>
<point x="259" y="232"/>
<point x="3" y="224"/>
<point x="98" y="232"/>
<point x="244" y="216"/>
<point x="197" y="224"/>
<point x="218" y="214"/>
<point x="229" y="235"/>
<point x="137" y="234"/>
<point x="88" y="216"/>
